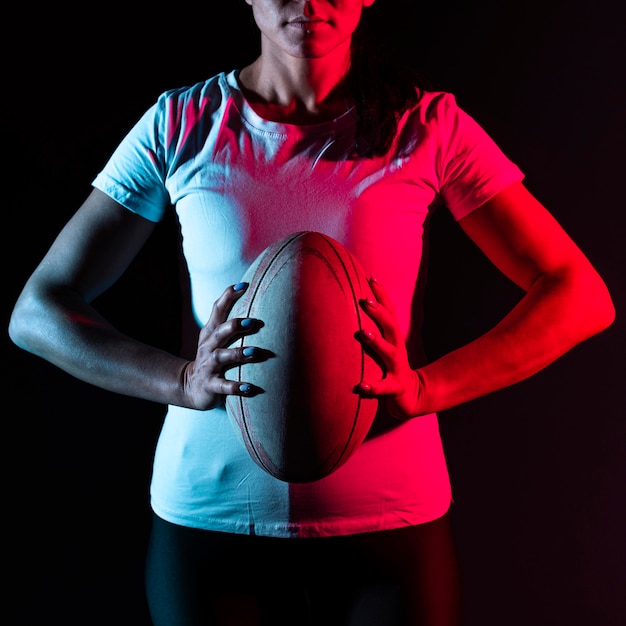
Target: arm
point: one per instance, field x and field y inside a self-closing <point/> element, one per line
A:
<point x="53" y="317"/>
<point x="565" y="303"/>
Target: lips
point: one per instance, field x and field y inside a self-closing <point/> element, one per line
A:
<point x="306" y="24"/>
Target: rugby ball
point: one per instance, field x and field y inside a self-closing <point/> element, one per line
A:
<point x="308" y="419"/>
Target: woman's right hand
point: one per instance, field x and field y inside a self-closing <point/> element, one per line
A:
<point x="205" y="383"/>
<point x="54" y="319"/>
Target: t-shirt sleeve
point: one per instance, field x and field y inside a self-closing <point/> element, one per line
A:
<point x="472" y="168"/>
<point x="134" y="174"/>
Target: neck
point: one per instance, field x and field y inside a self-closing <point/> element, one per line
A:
<point x="301" y="91"/>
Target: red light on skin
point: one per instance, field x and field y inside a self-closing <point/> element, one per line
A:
<point x="79" y="318"/>
<point x="308" y="26"/>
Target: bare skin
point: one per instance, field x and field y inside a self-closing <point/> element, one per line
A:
<point x="305" y="57"/>
<point x="299" y="77"/>
<point x="565" y="303"/>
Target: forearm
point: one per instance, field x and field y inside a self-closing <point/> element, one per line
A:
<point x="556" y="314"/>
<point x="69" y="333"/>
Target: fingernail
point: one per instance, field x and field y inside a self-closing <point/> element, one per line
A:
<point x="245" y="388"/>
<point x="371" y="303"/>
<point x="366" y="387"/>
<point x="246" y="322"/>
<point x="240" y="286"/>
<point x="249" y="351"/>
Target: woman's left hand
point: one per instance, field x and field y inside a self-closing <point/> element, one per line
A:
<point x="400" y="385"/>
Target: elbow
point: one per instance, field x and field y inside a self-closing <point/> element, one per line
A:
<point x="582" y="304"/>
<point x="23" y="326"/>
<point x="18" y="328"/>
<point x="604" y="310"/>
<point x="597" y="303"/>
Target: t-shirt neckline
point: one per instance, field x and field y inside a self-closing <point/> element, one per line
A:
<point x="231" y="84"/>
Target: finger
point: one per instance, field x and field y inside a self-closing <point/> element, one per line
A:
<point x="381" y="387"/>
<point x="223" y="305"/>
<point x="227" y="387"/>
<point x="393" y="386"/>
<point x="383" y="318"/>
<point x="224" y="334"/>
<point x="381" y="294"/>
<point x="379" y="345"/>
<point x="227" y="358"/>
<point x="382" y="312"/>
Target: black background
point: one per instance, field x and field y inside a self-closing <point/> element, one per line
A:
<point x="538" y="469"/>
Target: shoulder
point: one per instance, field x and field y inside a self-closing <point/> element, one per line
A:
<point x="438" y="116"/>
<point x="185" y="107"/>
<point x="435" y="107"/>
<point x="203" y="91"/>
<point x="432" y="119"/>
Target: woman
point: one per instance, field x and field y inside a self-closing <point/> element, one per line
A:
<point x="314" y="134"/>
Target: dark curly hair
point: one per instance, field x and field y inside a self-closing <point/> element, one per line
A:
<point x="383" y="86"/>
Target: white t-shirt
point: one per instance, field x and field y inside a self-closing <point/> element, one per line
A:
<point x="238" y="183"/>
